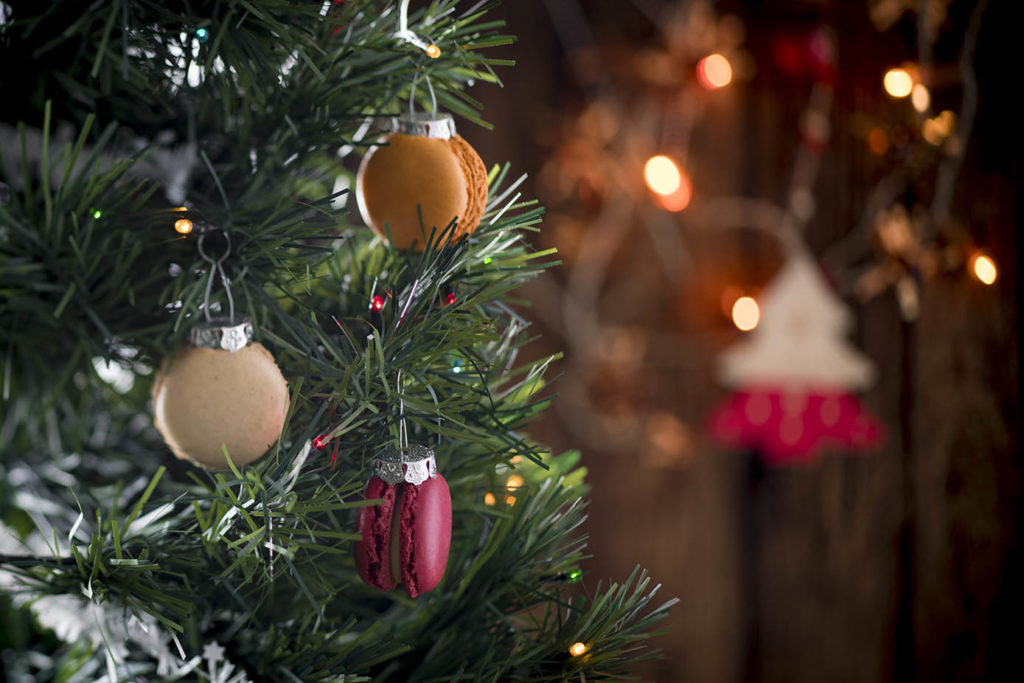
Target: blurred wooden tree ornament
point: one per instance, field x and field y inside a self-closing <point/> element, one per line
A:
<point x="794" y="379"/>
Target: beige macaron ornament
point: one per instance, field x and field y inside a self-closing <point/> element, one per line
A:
<point x="221" y="391"/>
<point x="422" y="178"/>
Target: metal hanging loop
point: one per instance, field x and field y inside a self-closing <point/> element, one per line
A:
<point x="403" y="431"/>
<point x="216" y="268"/>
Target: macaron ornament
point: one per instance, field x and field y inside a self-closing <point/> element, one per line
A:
<point x="220" y="391"/>
<point x="422" y="178"/>
<point x="405" y="538"/>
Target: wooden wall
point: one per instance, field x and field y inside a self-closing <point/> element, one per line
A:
<point x="902" y="564"/>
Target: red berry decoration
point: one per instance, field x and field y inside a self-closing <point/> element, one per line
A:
<point x="406" y="538"/>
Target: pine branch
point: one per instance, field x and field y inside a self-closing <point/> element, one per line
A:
<point x="96" y="283"/>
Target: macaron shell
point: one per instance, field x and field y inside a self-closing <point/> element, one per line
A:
<point x="408" y="175"/>
<point x="476" y="184"/>
<point x="425" y="534"/>
<point x="373" y="552"/>
<point x="206" y="398"/>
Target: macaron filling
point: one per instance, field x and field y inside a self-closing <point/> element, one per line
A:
<point x="394" y="540"/>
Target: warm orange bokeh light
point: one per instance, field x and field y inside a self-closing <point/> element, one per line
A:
<point x="984" y="268"/>
<point x="513" y="483"/>
<point x="671" y="186"/>
<point x="745" y="313"/>
<point x="662" y="175"/>
<point x="898" y="82"/>
<point x="489" y="499"/>
<point x="920" y="97"/>
<point x="576" y="649"/>
<point x="714" y="71"/>
<point x="678" y="200"/>
<point x="183" y="225"/>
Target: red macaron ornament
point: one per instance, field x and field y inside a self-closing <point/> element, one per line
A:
<point x="406" y="537"/>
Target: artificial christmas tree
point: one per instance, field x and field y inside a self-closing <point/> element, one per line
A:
<point x="137" y="132"/>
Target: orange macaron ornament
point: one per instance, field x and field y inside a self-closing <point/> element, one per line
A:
<point x="423" y="180"/>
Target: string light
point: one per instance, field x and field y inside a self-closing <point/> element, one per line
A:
<point x="745" y="313"/>
<point x="671" y="186"/>
<point x="662" y="175"/>
<point x="183" y="226"/>
<point x="920" y="97"/>
<point x="450" y="298"/>
<point x="510" y="500"/>
<point x="488" y="260"/>
<point x="319" y="443"/>
<point x="572" y="576"/>
<point x="202" y="35"/>
<point x="513" y="483"/>
<point x="984" y="268"/>
<point x="377" y="303"/>
<point x="714" y="72"/>
<point x="97" y="214"/>
<point x="489" y="499"/>
<point x="898" y="82"/>
<point x="457" y="366"/>
<point x="432" y="51"/>
<point x="576" y="649"/>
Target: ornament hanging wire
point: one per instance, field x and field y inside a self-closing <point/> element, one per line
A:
<point x="403" y="431"/>
<point x="216" y="269"/>
<point x="412" y="94"/>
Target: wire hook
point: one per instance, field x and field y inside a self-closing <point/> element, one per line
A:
<point x="412" y="93"/>
<point x="217" y="269"/>
<point x="403" y="431"/>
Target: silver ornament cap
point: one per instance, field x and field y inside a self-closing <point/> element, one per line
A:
<point x="413" y="465"/>
<point x="222" y="333"/>
<point x="439" y="126"/>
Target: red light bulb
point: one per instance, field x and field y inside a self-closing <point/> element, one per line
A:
<point x="319" y="443"/>
<point x="450" y="298"/>
<point x="377" y="303"/>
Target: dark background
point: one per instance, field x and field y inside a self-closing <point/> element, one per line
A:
<point x="900" y="564"/>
